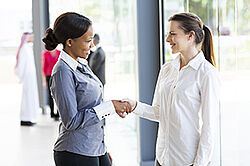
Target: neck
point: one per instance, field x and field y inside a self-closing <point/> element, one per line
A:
<point x="68" y="51"/>
<point x="187" y="56"/>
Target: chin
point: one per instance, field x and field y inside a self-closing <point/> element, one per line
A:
<point x="174" y="52"/>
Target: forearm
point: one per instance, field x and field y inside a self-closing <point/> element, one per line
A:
<point x="147" y="111"/>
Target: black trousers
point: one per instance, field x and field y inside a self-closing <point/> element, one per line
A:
<point x="50" y="100"/>
<point x="65" y="158"/>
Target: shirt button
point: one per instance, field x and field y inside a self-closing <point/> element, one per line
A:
<point x="100" y="86"/>
<point x="102" y="127"/>
<point x="102" y="141"/>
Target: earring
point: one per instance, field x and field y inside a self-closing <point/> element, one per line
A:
<point x="69" y="45"/>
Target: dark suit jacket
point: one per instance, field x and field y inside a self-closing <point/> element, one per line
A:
<point x="96" y="62"/>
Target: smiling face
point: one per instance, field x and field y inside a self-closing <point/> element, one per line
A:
<point x="80" y="47"/>
<point x="178" y="40"/>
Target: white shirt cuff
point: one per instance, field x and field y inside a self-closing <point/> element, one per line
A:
<point x="138" y="109"/>
<point x="104" y="109"/>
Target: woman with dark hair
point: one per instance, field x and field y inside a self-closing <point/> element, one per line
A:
<point x="78" y="94"/>
<point x="186" y="98"/>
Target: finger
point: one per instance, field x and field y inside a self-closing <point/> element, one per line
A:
<point x="128" y="110"/>
<point x="122" y="115"/>
<point x="130" y="107"/>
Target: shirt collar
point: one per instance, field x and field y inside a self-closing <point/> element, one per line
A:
<point x="194" y="63"/>
<point x="69" y="60"/>
<point x="176" y="63"/>
<point x="83" y="61"/>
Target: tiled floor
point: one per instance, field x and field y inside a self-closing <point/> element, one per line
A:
<point x="32" y="146"/>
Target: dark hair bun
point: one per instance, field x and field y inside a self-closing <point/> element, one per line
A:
<point x="50" y="40"/>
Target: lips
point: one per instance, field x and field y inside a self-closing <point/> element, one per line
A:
<point x="172" y="45"/>
<point x="86" y="52"/>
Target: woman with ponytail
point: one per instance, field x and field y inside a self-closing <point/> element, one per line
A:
<point x="186" y="98"/>
<point x="78" y="94"/>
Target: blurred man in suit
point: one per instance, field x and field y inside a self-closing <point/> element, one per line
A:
<point x="96" y="60"/>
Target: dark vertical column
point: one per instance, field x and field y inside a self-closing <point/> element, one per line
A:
<point x="40" y="19"/>
<point x="148" y="46"/>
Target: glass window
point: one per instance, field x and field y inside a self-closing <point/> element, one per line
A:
<point x="235" y="73"/>
<point x="243" y="33"/>
<point x="171" y="7"/>
<point x="15" y="19"/>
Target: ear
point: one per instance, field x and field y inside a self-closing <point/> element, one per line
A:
<point x="191" y="35"/>
<point x="68" y="42"/>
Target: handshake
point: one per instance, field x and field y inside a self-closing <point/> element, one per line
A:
<point x="124" y="107"/>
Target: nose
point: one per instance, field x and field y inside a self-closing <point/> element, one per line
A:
<point x="168" y="38"/>
<point x="91" y="44"/>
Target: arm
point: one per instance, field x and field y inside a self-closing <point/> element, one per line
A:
<point x="63" y="90"/>
<point x="210" y="108"/>
<point x="148" y="111"/>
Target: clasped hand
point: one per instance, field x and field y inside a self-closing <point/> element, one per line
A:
<point x="124" y="107"/>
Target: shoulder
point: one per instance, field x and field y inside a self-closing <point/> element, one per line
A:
<point x="45" y="53"/>
<point x="58" y="52"/>
<point x="166" y="69"/>
<point x="209" y="73"/>
<point x="100" y="50"/>
<point x="61" y="67"/>
<point x="207" y="68"/>
<point x="166" y="66"/>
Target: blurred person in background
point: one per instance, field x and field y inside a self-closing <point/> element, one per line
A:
<point x="49" y="59"/>
<point x="96" y="60"/>
<point x="26" y="71"/>
<point x="78" y="94"/>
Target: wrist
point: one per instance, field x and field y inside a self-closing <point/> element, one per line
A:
<point x="134" y="106"/>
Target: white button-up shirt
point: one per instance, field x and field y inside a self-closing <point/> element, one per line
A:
<point x="186" y="105"/>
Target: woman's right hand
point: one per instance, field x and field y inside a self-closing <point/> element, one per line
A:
<point x="133" y="104"/>
<point x="122" y="107"/>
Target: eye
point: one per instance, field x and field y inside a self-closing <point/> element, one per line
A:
<point x="172" y="33"/>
